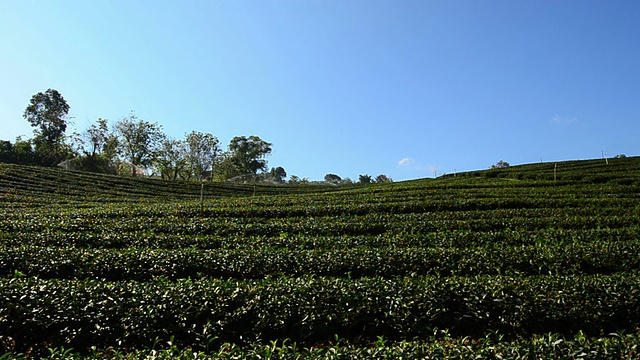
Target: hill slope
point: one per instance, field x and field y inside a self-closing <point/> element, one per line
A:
<point x="17" y="182"/>
<point x="486" y="262"/>
<point x="27" y="182"/>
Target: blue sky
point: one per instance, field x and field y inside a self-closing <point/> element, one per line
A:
<point x="403" y="88"/>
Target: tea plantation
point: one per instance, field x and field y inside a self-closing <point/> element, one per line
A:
<point x="538" y="261"/>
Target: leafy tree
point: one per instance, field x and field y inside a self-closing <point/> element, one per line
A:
<point x="225" y="168"/>
<point x="138" y="141"/>
<point x="365" y="179"/>
<point x="247" y="154"/>
<point x="202" y="150"/>
<point x="95" y="138"/>
<point x="294" y="179"/>
<point x="171" y="158"/>
<point x="23" y="152"/>
<point x="47" y="114"/>
<point x="500" y="165"/>
<point x="382" y="178"/>
<point x="332" y="178"/>
<point x="6" y="151"/>
<point x="20" y="152"/>
<point x="100" y="146"/>
<point x="278" y="174"/>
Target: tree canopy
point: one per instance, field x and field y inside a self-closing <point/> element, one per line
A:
<point x="202" y="150"/>
<point x="139" y="140"/>
<point x="247" y="153"/>
<point x="332" y="178"/>
<point x="47" y="112"/>
<point x="136" y="146"/>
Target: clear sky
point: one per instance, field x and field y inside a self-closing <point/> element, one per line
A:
<point x="403" y="88"/>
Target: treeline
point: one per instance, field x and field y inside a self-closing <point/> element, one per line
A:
<point x="138" y="147"/>
<point x="133" y="146"/>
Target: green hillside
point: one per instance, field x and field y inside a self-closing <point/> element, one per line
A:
<point x="531" y="261"/>
<point x="18" y="182"/>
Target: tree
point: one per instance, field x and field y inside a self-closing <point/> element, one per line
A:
<point x="138" y="141"/>
<point x="365" y="179"/>
<point x="332" y="178"/>
<point x="294" y="179"/>
<point x="6" y="151"/>
<point x="278" y="174"/>
<point x="47" y="112"/>
<point x="99" y="145"/>
<point x="23" y="152"/>
<point x="382" y="178"/>
<point x="95" y="138"/>
<point x="202" y="150"/>
<point x="224" y="169"/>
<point x="171" y="158"/>
<point x="500" y="165"/>
<point x="20" y="152"/>
<point x="248" y="154"/>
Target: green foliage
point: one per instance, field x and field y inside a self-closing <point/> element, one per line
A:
<point x="46" y="112"/>
<point x="247" y="154"/>
<point x="506" y="263"/>
<point x="547" y="346"/>
<point x="82" y="313"/>
<point x="277" y="174"/>
<point x="138" y="141"/>
<point x="171" y="159"/>
<point x="99" y="146"/>
<point x="332" y="178"/>
<point x="202" y="150"/>
<point x="382" y="178"/>
<point x="365" y="179"/>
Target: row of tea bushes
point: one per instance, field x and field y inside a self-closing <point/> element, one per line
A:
<point x="143" y="264"/>
<point x="437" y="239"/>
<point x="546" y="346"/>
<point x="50" y="184"/>
<point x="81" y="314"/>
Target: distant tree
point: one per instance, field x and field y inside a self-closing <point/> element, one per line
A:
<point x="47" y="113"/>
<point x="95" y="137"/>
<point x="99" y="144"/>
<point x="365" y="179"/>
<point x="224" y="168"/>
<point x="138" y="141"/>
<point x="247" y="154"/>
<point x="383" y="179"/>
<point x="171" y="158"/>
<point x="620" y="156"/>
<point x="500" y="165"/>
<point x="23" y="152"/>
<point x="278" y="174"/>
<point x="332" y="178"/>
<point x="6" y="151"/>
<point x="294" y="179"/>
<point x="202" y="150"/>
<point x="346" y="181"/>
